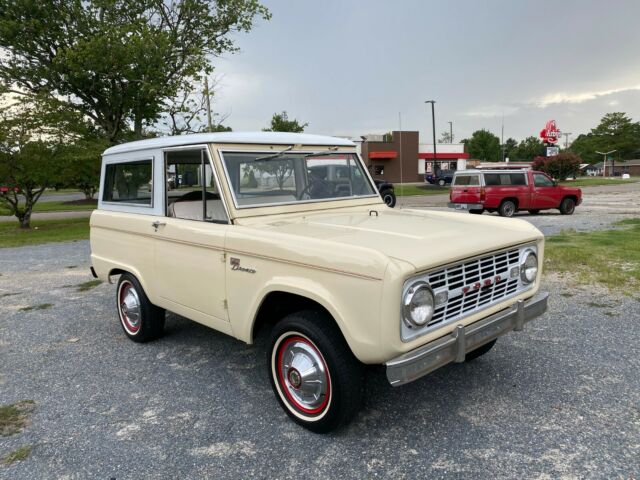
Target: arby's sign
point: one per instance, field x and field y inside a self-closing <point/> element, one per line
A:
<point x="550" y="133"/>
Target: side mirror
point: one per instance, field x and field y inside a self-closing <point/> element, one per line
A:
<point x="555" y="183"/>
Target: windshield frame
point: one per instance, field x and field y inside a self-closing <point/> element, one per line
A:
<point x="221" y="152"/>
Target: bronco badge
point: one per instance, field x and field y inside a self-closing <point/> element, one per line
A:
<point x="235" y="265"/>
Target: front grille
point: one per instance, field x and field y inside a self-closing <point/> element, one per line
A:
<point x="491" y="268"/>
<point x="470" y="286"/>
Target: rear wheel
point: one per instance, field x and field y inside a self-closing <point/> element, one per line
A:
<point x="507" y="208"/>
<point x="389" y="197"/>
<point x="534" y="211"/>
<point x="477" y="212"/>
<point x="442" y="182"/>
<point x="568" y="206"/>
<point x="140" y="319"/>
<point x="313" y="373"/>
<point x="478" y="352"/>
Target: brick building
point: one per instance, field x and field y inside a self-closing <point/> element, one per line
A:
<point x="399" y="157"/>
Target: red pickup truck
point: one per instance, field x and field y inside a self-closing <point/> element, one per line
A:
<point x="507" y="191"/>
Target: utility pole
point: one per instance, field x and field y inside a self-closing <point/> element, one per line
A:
<point x="566" y="139"/>
<point x="502" y="137"/>
<point x="433" y="122"/>
<point x="604" y="161"/>
<point x="208" y="100"/>
<point x="450" y="132"/>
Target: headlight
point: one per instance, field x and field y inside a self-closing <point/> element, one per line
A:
<point x="529" y="267"/>
<point x="417" y="305"/>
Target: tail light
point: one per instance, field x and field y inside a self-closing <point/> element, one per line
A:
<point x="483" y="194"/>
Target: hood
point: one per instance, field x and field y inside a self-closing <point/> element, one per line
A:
<point x="422" y="238"/>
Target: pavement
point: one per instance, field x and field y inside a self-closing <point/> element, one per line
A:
<point x="559" y="400"/>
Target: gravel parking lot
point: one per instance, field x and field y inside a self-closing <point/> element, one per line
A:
<point x="561" y="399"/>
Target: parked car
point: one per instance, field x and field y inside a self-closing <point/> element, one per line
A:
<point x="340" y="176"/>
<point x="387" y="192"/>
<point x="334" y="277"/>
<point x="441" y="178"/>
<point x="508" y="191"/>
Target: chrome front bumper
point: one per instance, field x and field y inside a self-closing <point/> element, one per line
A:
<point x="454" y="346"/>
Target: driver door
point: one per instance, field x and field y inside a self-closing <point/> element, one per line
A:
<point x="544" y="192"/>
<point x="190" y="240"/>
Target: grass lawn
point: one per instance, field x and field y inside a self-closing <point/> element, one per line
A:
<point x="56" y="207"/>
<point x="410" y="190"/>
<point x="594" y="181"/>
<point x="44" y="231"/>
<point x="609" y="257"/>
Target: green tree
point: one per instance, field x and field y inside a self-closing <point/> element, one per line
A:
<point x="615" y="131"/>
<point x="510" y="146"/>
<point x="446" y="137"/>
<point x="484" y="145"/>
<point x="280" y="123"/>
<point x="527" y="150"/>
<point x="81" y="164"/>
<point x="116" y="62"/>
<point x="30" y="158"/>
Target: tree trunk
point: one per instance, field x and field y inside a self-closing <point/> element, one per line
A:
<point x="137" y="125"/>
<point x="24" y="219"/>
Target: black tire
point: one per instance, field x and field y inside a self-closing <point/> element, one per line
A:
<point x="568" y="206"/>
<point x="311" y="335"/>
<point x="150" y="319"/>
<point x="534" y="211"/>
<point x="442" y="182"/>
<point x="477" y="212"/>
<point x="389" y="197"/>
<point x="507" y="208"/>
<point x="478" y="352"/>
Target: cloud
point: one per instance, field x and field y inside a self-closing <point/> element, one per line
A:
<point x="493" y="111"/>
<point x="564" y="97"/>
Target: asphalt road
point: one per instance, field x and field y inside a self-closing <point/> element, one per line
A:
<point x="559" y="400"/>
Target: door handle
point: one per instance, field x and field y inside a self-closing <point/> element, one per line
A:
<point x="157" y="224"/>
<point x="465" y="190"/>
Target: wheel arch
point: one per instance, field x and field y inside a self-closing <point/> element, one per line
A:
<point x="572" y="196"/>
<point x="278" y="302"/>
<point x="119" y="270"/>
<point x="513" y="199"/>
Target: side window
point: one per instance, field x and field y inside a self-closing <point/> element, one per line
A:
<point x="518" y="179"/>
<point x="541" y="180"/>
<point x="129" y="182"/>
<point x="467" y="180"/>
<point x="191" y="189"/>
<point x="491" y="179"/>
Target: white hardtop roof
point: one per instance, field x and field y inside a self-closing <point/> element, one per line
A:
<point x="271" y="138"/>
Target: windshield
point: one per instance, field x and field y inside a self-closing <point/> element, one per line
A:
<point x="259" y="179"/>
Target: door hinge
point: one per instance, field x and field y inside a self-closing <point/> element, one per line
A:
<point x="223" y="257"/>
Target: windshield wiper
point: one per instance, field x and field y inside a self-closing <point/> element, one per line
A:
<point x="275" y="155"/>
<point x="332" y="151"/>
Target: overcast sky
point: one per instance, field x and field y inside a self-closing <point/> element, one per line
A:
<point x="349" y="67"/>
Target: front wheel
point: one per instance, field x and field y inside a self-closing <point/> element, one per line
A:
<point x="442" y="182"/>
<point x="140" y="319"/>
<point x="389" y="197"/>
<point x="568" y="206"/>
<point x="313" y="373"/>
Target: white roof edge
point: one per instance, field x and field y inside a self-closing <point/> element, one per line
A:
<point x="272" y="138"/>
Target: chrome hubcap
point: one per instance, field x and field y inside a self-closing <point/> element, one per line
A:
<point x="130" y="307"/>
<point x="304" y="374"/>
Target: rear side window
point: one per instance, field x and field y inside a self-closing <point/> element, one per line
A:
<point x="130" y="182"/>
<point x="467" y="180"/>
<point x="504" y="179"/>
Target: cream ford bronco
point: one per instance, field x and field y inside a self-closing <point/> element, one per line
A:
<point x="245" y="231"/>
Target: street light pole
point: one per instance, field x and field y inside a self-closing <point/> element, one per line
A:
<point x="450" y="132"/>
<point x="604" y="161"/>
<point x="433" y="122"/>
<point x="566" y="139"/>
